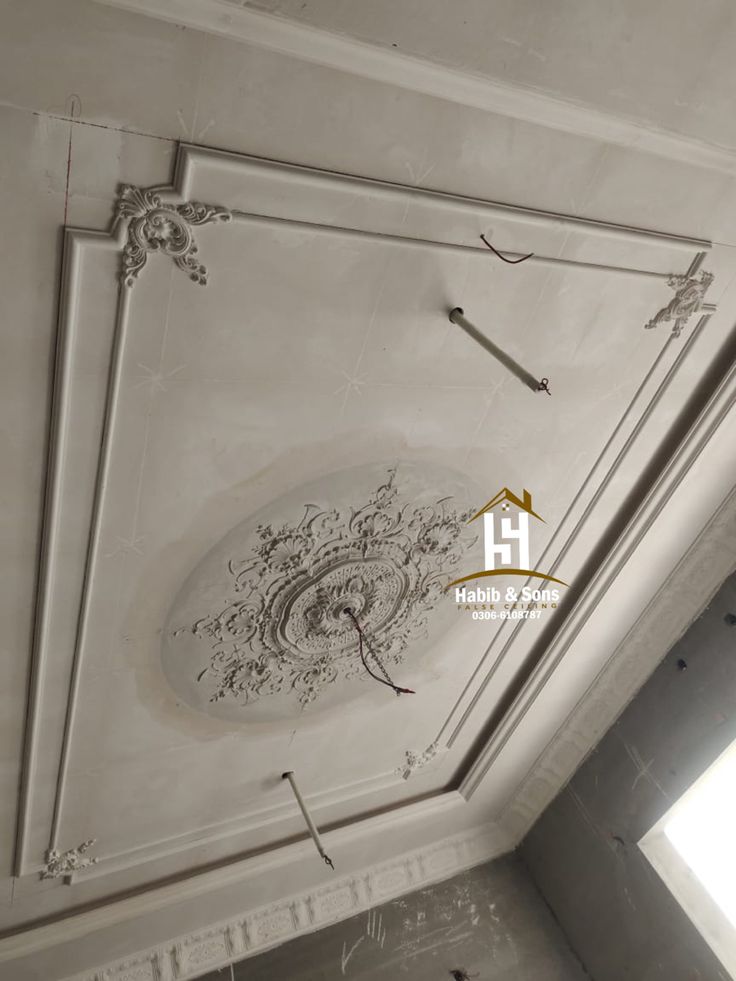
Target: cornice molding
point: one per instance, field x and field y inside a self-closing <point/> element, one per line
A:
<point x="699" y="574"/>
<point x="687" y="454"/>
<point x="257" y="929"/>
<point x="392" y="67"/>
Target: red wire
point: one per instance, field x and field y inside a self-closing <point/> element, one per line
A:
<point x="389" y="684"/>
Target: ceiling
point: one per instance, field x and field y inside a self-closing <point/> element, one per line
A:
<point x="561" y="50"/>
<point x="261" y="414"/>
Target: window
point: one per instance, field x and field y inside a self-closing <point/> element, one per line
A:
<point x="693" y="848"/>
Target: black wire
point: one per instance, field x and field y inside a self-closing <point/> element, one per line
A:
<point x="389" y="684"/>
<point x="511" y="262"/>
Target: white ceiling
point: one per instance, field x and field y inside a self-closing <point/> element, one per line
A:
<point x="658" y="62"/>
<point x="320" y="346"/>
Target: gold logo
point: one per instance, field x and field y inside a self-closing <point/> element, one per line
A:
<point x="506" y="538"/>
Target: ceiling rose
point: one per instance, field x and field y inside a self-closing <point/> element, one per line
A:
<point x="259" y="629"/>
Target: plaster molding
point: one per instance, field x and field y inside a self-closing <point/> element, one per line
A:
<point x="155" y="226"/>
<point x="663" y="373"/>
<point x="700" y="573"/>
<point x="415" y="760"/>
<point x="61" y="864"/>
<point x="255" y="930"/>
<point x="702" y="430"/>
<point x="283" y="627"/>
<point x="689" y="296"/>
<point x="392" y="67"/>
<point x="209" y="168"/>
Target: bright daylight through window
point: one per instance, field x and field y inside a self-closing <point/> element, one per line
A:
<point x="702" y="830"/>
<point x="692" y="848"/>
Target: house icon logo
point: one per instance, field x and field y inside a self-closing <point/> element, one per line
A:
<point x="507" y="525"/>
<point x="506" y="535"/>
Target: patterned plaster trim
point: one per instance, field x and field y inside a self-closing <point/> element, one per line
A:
<point x="688" y="299"/>
<point x="415" y="760"/>
<point x="260" y="928"/>
<point x="61" y="864"/>
<point x="681" y="462"/>
<point x="700" y="573"/>
<point x="156" y="226"/>
<point x="213" y="166"/>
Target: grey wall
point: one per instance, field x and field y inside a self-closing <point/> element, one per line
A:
<point x="490" y="922"/>
<point x="583" y="853"/>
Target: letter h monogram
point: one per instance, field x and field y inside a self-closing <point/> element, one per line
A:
<point x="501" y="550"/>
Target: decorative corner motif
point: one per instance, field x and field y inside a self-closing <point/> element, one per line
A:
<point x="415" y="761"/>
<point x="689" y="295"/>
<point x="59" y="864"/>
<point x="155" y="226"/>
<point x="386" y="560"/>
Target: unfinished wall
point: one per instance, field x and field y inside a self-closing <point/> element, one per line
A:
<point x="489" y="922"/>
<point x="619" y="916"/>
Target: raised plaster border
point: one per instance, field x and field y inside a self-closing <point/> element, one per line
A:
<point x="255" y="930"/>
<point x="705" y="565"/>
<point x="225" y="164"/>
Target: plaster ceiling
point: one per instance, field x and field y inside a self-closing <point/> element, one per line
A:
<point x="309" y="358"/>
<point x="233" y="370"/>
<point x="668" y="69"/>
<point x="285" y="369"/>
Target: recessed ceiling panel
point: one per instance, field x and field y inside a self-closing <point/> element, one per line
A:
<point x="264" y="419"/>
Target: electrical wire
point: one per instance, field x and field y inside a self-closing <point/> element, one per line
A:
<point x="385" y="680"/>
<point x="511" y="262"/>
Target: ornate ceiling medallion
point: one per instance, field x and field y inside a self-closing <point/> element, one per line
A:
<point x="275" y="625"/>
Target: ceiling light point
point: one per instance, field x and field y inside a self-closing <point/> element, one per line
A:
<point x="457" y="316"/>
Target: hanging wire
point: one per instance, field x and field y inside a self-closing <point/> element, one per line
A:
<point x="385" y="680"/>
<point x="502" y="257"/>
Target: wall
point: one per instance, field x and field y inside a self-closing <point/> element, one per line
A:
<point x="489" y="922"/>
<point x="619" y="916"/>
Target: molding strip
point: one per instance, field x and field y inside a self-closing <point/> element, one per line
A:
<point x="189" y="161"/>
<point x="705" y="565"/>
<point x="191" y="156"/>
<point x="262" y="927"/>
<point x="692" y="445"/>
<point x="391" y="67"/>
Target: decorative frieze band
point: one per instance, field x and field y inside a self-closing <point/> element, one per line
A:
<point x="193" y="954"/>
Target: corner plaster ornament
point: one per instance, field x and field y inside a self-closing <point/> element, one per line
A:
<point x="155" y="226"/>
<point x="59" y="864"/>
<point x="280" y="629"/>
<point x="688" y="298"/>
<point x="415" y="761"/>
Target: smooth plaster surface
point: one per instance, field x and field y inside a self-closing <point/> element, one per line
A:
<point x="583" y="854"/>
<point x="91" y="97"/>
<point x="489" y="922"/>
<point x="662" y="63"/>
